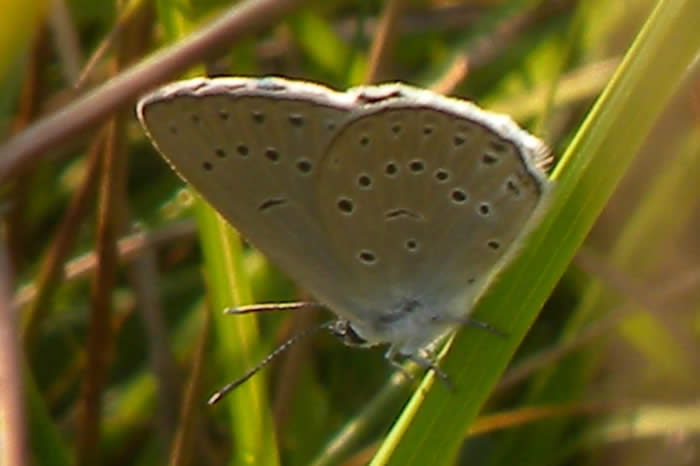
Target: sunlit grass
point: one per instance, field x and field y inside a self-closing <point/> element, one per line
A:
<point x="342" y="404"/>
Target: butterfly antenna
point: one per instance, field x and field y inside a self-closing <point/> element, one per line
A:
<point x="216" y="397"/>
<point x="269" y="307"/>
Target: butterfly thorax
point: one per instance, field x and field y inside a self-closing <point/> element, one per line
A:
<point x="408" y="326"/>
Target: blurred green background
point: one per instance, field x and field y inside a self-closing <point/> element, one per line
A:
<point x="120" y="354"/>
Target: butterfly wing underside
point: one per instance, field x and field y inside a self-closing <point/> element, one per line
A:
<point x="423" y="196"/>
<point x="369" y="198"/>
<point x="252" y="149"/>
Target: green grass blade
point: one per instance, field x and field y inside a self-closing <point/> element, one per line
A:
<point x="46" y="443"/>
<point x="251" y="421"/>
<point x="586" y="177"/>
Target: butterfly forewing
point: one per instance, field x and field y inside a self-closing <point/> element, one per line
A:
<point x="252" y="148"/>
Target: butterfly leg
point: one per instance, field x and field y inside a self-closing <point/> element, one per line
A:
<point x="485" y="326"/>
<point x="425" y="362"/>
<point x="394" y="358"/>
<point x="477" y="324"/>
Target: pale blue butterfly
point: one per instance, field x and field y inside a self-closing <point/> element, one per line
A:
<point x="394" y="206"/>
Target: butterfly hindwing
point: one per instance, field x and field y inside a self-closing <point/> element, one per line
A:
<point x="422" y="198"/>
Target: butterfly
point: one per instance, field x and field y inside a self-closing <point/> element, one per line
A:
<point x="392" y="205"/>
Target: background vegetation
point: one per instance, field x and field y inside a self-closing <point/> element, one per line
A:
<point x="112" y="279"/>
